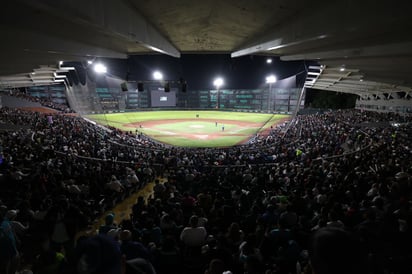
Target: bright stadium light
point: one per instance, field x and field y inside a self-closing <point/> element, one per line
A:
<point x="269" y="61"/>
<point x="100" y="68"/>
<point x="89" y="62"/>
<point x="218" y="82"/>
<point x="271" y="79"/>
<point x="157" y="75"/>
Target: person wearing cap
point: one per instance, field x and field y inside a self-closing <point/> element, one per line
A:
<point x="109" y="224"/>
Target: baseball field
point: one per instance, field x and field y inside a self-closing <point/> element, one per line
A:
<point x="193" y="128"/>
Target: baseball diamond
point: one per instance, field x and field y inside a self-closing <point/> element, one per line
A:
<point x="193" y="128"/>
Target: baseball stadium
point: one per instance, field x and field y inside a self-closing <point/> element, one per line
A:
<point x="205" y="137"/>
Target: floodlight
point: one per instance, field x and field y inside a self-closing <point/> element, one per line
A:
<point x="100" y="68"/>
<point x="218" y="82"/>
<point x="269" y="61"/>
<point x="271" y="79"/>
<point x="157" y="75"/>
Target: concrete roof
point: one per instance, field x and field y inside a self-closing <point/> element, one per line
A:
<point x="372" y="38"/>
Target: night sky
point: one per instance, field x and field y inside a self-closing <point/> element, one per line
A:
<point x="199" y="70"/>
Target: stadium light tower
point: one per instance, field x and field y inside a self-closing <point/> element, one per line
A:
<point x="270" y="80"/>
<point x="157" y="75"/>
<point x="218" y="82"/>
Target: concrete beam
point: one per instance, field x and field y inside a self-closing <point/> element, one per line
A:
<point x="116" y="18"/>
<point x="395" y="49"/>
<point x="334" y="22"/>
<point x="42" y="46"/>
<point x="343" y="90"/>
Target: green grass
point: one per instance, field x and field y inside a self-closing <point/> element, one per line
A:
<point x="223" y="141"/>
<point x="191" y="131"/>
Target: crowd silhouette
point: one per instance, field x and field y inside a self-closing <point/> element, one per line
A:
<point x="323" y="193"/>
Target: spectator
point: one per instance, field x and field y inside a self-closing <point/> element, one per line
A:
<point x="216" y="266"/>
<point x="115" y="185"/>
<point x="98" y="255"/>
<point x="9" y="254"/>
<point x="49" y="261"/>
<point x="333" y="250"/>
<point x="132" y="249"/>
<point x="193" y="236"/>
<point x="18" y="228"/>
<point x="108" y="225"/>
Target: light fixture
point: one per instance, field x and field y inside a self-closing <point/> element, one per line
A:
<point x="100" y="68"/>
<point x="89" y="62"/>
<point x="156" y="49"/>
<point x="157" y="75"/>
<point x="342" y="69"/>
<point x="218" y="82"/>
<point x="269" y="61"/>
<point x="271" y="79"/>
<point x="60" y="63"/>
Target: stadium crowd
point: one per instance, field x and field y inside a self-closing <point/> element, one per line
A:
<point x="332" y="189"/>
<point x="46" y="102"/>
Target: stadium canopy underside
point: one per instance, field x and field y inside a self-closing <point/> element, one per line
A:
<point x="362" y="47"/>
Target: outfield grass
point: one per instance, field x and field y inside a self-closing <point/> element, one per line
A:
<point x="184" y="128"/>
